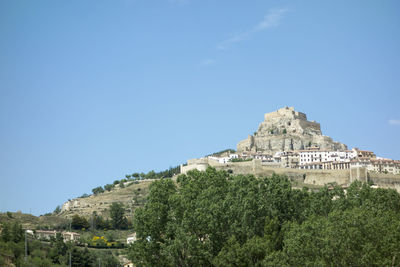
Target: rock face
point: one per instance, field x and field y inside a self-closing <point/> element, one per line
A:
<point x="286" y="130"/>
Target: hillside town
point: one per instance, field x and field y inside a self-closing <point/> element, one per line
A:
<point x="316" y="158"/>
<point x="286" y="139"/>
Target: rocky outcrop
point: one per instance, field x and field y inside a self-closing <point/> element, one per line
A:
<point x="286" y="130"/>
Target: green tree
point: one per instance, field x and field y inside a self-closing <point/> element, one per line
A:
<point x="151" y="175"/>
<point x="99" y="222"/>
<point x="355" y="237"/>
<point x="79" y="222"/>
<point x="82" y="258"/>
<point x="118" y="220"/>
<point x="17" y="232"/>
<point x="57" y="210"/>
<point x="108" y="187"/>
<point x="251" y="253"/>
<point x="150" y="224"/>
<point x="58" y="250"/>
<point x="98" y="190"/>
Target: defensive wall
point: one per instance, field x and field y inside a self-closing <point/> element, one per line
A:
<point x="312" y="177"/>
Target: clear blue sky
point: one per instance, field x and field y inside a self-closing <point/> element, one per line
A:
<point x="91" y="90"/>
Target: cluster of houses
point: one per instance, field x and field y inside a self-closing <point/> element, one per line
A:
<point x="316" y="158"/>
<point x="74" y="237"/>
<point x="67" y="236"/>
<point x="48" y="234"/>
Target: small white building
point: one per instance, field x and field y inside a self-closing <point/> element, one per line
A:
<point x="233" y="156"/>
<point x="29" y="232"/>
<point x="45" y="234"/>
<point x="70" y="236"/>
<point x="131" y="238"/>
<point x="221" y="160"/>
<point x="286" y="159"/>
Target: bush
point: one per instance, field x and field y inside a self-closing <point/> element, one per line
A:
<point x="98" y="190"/>
<point x="108" y="187"/>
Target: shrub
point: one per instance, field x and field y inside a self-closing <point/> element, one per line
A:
<point x="97" y="190"/>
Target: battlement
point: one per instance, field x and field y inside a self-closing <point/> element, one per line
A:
<point x="286" y="112"/>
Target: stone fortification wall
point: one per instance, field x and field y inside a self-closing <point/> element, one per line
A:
<point x="385" y="180"/>
<point x="200" y="167"/>
<point x="360" y="174"/>
<point x="315" y="177"/>
<point x="195" y="164"/>
<point x="312" y="177"/>
<point x="312" y="127"/>
<point x="197" y="161"/>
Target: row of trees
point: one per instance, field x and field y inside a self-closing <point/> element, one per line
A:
<point x="212" y="218"/>
<point x="155" y="175"/>
<point x="138" y="176"/>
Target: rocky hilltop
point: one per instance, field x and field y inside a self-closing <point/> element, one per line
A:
<point x="287" y="130"/>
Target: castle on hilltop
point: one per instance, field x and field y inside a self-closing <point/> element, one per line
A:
<point x="287" y="130"/>
<point x="287" y="140"/>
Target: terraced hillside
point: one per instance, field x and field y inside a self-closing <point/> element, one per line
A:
<point x="132" y="195"/>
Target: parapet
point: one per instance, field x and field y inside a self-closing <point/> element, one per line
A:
<point x="287" y="112"/>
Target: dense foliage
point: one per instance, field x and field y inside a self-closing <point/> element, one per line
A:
<point x="215" y="219"/>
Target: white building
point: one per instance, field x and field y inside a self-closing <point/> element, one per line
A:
<point x="315" y="156"/>
<point x="233" y="156"/>
<point x="131" y="238"/>
<point x="221" y="160"/>
<point x="70" y="236"/>
<point x="385" y="166"/>
<point x="378" y="165"/>
<point x="45" y="234"/>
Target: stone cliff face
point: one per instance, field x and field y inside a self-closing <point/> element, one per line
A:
<point x="286" y="130"/>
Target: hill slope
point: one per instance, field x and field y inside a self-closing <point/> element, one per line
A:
<point x="132" y="196"/>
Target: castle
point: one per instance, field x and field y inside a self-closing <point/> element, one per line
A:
<point x="287" y="130"/>
<point x="287" y="143"/>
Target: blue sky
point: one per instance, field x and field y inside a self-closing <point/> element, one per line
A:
<point x="93" y="90"/>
